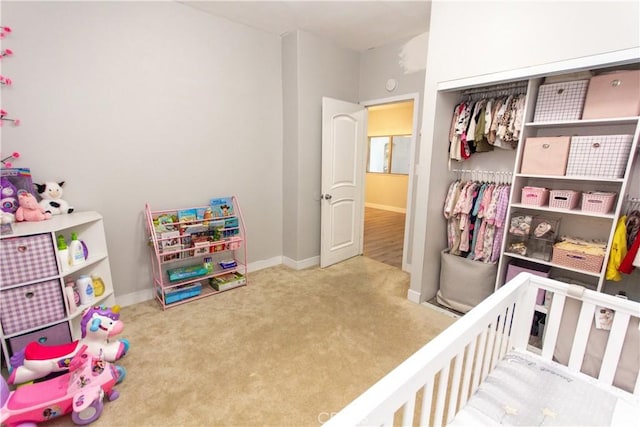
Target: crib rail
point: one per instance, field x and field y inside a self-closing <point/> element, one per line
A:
<point x="433" y="384"/>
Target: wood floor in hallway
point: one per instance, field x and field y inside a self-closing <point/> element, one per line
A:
<point x="384" y="236"/>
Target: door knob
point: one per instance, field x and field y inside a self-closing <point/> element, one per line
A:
<point x="327" y="196"/>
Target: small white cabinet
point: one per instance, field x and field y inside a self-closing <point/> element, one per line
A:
<point x="33" y="306"/>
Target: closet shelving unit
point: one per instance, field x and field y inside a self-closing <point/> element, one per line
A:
<point x="226" y="244"/>
<point x="574" y="222"/>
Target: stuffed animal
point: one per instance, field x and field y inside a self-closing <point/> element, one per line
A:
<point x="28" y="208"/>
<point x="51" y="194"/>
<point x="7" y="218"/>
<point x="9" y="195"/>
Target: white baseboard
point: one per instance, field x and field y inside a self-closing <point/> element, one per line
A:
<point x="147" y="294"/>
<point x="301" y="265"/>
<point x="413" y="296"/>
<point x="265" y="263"/>
<point x="134" y="297"/>
<point x="440" y="310"/>
<point x="386" y="207"/>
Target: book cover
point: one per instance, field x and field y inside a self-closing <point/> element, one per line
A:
<point x="165" y="222"/>
<point x="221" y="207"/>
<point x="169" y="242"/>
<point x="187" y="215"/>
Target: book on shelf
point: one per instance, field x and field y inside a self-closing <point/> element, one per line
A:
<point x="169" y="242"/>
<point x="204" y="214"/>
<point x="227" y="281"/>
<point x="187" y="215"/>
<point x="165" y="222"/>
<point x="221" y="207"/>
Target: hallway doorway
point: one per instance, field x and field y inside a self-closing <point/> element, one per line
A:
<point x="383" y="235"/>
<point x="391" y="142"/>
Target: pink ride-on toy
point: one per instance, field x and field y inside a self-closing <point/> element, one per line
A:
<point x="99" y="326"/>
<point x="79" y="392"/>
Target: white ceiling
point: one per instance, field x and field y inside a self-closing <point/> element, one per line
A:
<point x="357" y="25"/>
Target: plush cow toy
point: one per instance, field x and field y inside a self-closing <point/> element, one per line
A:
<point x="51" y="194"/>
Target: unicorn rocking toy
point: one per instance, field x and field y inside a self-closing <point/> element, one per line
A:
<point x="98" y="325"/>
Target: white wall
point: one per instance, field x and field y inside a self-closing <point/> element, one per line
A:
<point x="509" y="36"/>
<point x="405" y="61"/>
<point x="398" y="60"/>
<point x="134" y="102"/>
<point x="321" y="69"/>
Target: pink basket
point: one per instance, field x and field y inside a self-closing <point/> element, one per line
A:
<point x="563" y="199"/>
<point x="577" y="260"/>
<point x="535" y="196"/>
<point x="596" y="201"/>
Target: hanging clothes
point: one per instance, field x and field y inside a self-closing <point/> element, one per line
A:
<point x="633" y="226"/>
<point x="627" y="264"/>
<point x="476" y="214"/>
<point x="479" y="126"/>
<point x="501" y="216"/>
<point x="618" y="250"/>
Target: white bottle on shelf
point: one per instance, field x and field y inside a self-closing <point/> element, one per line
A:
<point x="85" y="288"/>
<point x="76" y="251"/>
<point x="63" y="254"/>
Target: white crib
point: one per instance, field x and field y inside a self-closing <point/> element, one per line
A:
<point x="482" y="370"/>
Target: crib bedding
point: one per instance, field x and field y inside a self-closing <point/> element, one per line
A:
<point x="526" y="390"/>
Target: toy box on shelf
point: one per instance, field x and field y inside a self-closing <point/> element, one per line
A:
<point x="191" y="246"/>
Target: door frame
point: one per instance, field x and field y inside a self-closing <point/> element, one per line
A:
<point x="415" y="96"/>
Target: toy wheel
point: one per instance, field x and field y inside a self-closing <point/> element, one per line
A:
<point x="113" y="395"/>
<point x="89" y="414"/>
<point x="121" y="373"/>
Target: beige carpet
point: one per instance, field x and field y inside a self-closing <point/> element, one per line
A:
<point x="289" y="349"/>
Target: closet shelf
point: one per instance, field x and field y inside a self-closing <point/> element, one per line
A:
<point x="562" y="267"/>
<point x="571" y="178"/>
<point x="564" y="211"/>
<point x="591" y="122"/>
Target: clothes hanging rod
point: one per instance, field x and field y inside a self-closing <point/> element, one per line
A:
<point x="496" y="88"/>
<point x="481" y="171"/>
<point x="500" y="177"/>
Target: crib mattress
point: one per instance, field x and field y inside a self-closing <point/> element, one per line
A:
<point x="526" y="390"/>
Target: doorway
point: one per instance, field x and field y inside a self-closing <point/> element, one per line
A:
<point x="392" y="135"/>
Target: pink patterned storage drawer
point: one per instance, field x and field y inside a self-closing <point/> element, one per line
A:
<point x="560" y="101"/>
<point x="29" y="306"/>
<point x="599" y="155"/>
<point x="54" y="335"/>
<point x="25" y="259"/>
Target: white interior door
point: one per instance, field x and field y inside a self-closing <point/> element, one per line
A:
<point x="343" y="159"/>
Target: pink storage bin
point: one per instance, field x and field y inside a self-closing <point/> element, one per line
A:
<point x="614" y="94"/>
<point x="516" y="267"/>
<point x="535" y="196"/>
<point x="545" y="155"/>
<point x="597" y="201"/>
<point x="563" y="199"/>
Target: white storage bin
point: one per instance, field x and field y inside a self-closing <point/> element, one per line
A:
<point x="560" y="101"/>
<point x="602" y="155"/>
